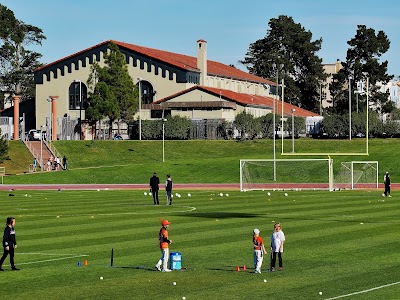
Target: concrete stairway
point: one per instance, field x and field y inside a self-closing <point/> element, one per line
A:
<point x="37" y="148"/>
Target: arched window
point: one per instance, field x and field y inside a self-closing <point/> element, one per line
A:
<point x="76" y="89"/>
<point x="147" y="92"/>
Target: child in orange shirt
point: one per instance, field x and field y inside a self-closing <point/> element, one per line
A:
<point x="259" y="251"/>
<point x="164" y="244"/>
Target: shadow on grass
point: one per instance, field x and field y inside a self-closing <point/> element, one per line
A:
<point x="223" y="215"/>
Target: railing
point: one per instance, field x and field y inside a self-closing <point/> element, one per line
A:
<point x="52" y="149"/>
<point x="34" y="153"/>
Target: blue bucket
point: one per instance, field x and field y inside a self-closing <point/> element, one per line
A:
<point x="175" y="261"/>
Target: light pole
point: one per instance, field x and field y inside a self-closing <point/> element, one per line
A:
<point x="140" y="108"/>
<point x="320" y="97"/>
<point x="163" y="137"/>
<point x="41" y="148"/>
<point x="277" y="69"/>
<point x="350" y="78"/>
<point x="293" y="110"/>
<point x="80" y="107"/>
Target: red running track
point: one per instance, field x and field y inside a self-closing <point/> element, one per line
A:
<point x="186" y="186"/>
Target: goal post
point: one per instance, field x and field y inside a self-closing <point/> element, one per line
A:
<point x="313" y="173"/>
<point x="357" y="175"/>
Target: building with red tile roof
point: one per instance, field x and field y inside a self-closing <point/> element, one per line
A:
<point x="178" y="84"/>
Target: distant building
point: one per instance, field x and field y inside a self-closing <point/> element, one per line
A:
<point x="170" y="83"/>
<point x="330" y="70"/>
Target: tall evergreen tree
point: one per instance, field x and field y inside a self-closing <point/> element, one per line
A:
<point x="362" y="61"/>
<point x="16" y="61"/>
<point x="287" y="43"/>
<point x="112" y="91"/>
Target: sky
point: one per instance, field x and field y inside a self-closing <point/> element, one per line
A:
<point x="228" y="26"/>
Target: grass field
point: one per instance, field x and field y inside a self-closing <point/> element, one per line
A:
<point x="337" y="243"/>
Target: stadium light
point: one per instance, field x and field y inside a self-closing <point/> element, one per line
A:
<point x="350" y="78"/>
<point x="140" y="108"/>
<point x="293" y="110"/>
<point x="277" y="69"/>
<point x="80" y="107"/>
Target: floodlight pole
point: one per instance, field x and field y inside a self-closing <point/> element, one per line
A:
<point x="320" y="97"/>
<point x="350" y="107"/>
<point x="293" y="110"/>
<point x="140" y="109"/>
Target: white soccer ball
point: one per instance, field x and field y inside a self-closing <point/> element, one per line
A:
<point x="286" y="194"/>
<point x="221" y="194"/>
<point x="320" y="293"/>
<point x="145" y="193"/>
<point x="174" y="283"/>
<point x="150" y="194"/>
<point x="189" y="195"/>
<point x="269" y="194"/>
<point x="183" y="298"/>
<point x="265" y="280"/>
<point x="101" y="277"/>
<point x="227" y="195"/>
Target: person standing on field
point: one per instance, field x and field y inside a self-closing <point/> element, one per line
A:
<point x="154" y="182"/>
<point x="162" y="264"/>
<point x="9" y="243"/>
<point x="386" y="181"/>
<point x="277" y="240"/>
<point x="168" y="189"/>
<point x="259" y="251"/>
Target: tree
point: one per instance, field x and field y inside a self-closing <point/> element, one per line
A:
<point x="287" y="43"/>
<point x="16" y="61"/>
<point x="247" y="125"/>
<point x="362" y="61"/>
<point x="112" y="91"/>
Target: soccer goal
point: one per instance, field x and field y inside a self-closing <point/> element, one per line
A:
<point x="357" y="175"/>
<point x="260" y="174"/>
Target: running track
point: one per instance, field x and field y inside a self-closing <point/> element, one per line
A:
<point x="186" y="186"/>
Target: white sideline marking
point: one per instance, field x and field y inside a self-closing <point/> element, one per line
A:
<point x="189" y="208"/>
<point x="364" y="291"/>
<point x="54" y="259"/>
<point x="42" y="253"/>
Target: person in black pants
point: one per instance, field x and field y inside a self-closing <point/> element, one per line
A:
<point x="9" y="243"/>
<point x="386" y="181"/>
<point x="154" y="182"/>
<point x="168" y="189"/>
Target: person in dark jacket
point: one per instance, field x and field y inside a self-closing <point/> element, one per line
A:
<point x="154" y="182"/>
<point x="9" y="243"/>
<point x="168" y="189"/>
<point x="386" y="181"/>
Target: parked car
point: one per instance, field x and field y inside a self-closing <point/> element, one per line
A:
<point x="34" y="135"/>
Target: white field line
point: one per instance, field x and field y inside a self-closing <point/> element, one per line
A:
<point x="189" y="208"/>
<point x="364" y="291"/>
<point x="54" y="259"/>
<point x="43" y="253"/>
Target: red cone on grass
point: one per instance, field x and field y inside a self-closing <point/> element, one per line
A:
<point x="244" y="268"/>
<point x="237" y="269"/>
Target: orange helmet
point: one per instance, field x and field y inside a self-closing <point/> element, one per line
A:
<point x="165" y="222"/>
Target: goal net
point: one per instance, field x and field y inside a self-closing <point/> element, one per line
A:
<point x="260" y="174"/>
<point x="357" y="174"/>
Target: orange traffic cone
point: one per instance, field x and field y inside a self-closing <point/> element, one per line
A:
<point x="244" y="268"/>
<point x="237" y="269"/>
<point x="85" y="262"/>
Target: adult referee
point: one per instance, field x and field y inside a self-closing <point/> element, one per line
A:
<point x="9" y="243"/>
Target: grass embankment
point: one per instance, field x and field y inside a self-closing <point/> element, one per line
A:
<point x="187" y="161"/>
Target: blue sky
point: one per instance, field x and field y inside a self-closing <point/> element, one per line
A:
<point x="228" y="26"/>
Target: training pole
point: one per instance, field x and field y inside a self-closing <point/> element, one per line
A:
<point x="112" y="257"/>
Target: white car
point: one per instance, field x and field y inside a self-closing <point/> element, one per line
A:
<point x="34" y="135"/>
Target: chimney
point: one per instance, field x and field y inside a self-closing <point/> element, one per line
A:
<point x="202" y="60"/>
